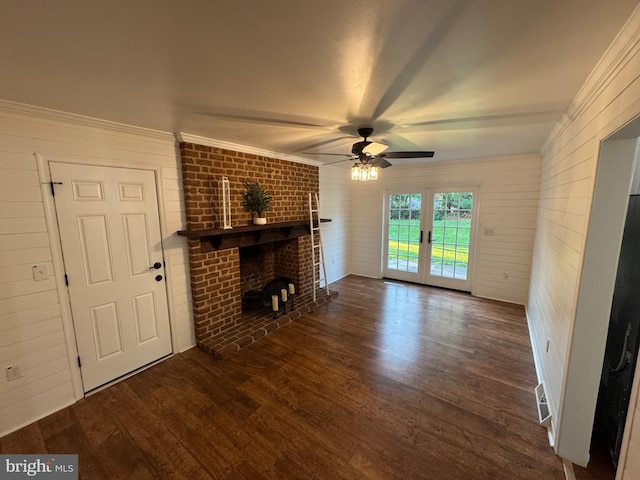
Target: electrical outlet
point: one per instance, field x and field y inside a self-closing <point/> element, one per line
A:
<point x="489" y="231"/>
<point x="40" y="272"/>
<point x="14" y="372"/>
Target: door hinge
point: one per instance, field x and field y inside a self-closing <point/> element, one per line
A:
<point x="79" y="362"/>
<point x="66" y="280"/>
<point x="53" y="190"/>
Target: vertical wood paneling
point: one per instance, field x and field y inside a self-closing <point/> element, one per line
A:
<point x="508" y="188"/>
<point x="30" y="316"/>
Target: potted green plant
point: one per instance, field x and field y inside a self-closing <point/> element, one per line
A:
<point x="257" y="201"/>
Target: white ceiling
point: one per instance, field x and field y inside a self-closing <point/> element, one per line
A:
<point x="464" y="78"/>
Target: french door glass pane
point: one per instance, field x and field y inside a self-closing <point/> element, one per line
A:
<point x="450" y="234"/>
<point x="404" y="232"/>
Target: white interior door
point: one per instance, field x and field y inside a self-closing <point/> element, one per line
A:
<point x="110" y="235"/>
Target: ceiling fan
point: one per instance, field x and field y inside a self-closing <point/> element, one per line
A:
<point x="370" y="153"/>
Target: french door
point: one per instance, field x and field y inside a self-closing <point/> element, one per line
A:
<point x="429" y="237"/>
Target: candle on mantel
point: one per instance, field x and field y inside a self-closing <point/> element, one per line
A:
<point x="292" y="289"/>
<point x="274" y="303"/>
<point x="283" y="295"/>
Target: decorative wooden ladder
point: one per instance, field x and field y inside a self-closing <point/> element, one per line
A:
<point x="317" y="251"/>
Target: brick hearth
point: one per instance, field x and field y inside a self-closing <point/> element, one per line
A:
<point x="220" y="325"/>
<point x="256" y="325"/>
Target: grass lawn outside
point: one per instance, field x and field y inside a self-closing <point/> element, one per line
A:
<point x="449" y="242"/>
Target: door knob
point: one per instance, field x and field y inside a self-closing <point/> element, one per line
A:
<point x="158" y="278"/>
<point x="155" y="266"/>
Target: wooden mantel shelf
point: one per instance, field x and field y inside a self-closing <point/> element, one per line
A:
<point x="244" y="236"/>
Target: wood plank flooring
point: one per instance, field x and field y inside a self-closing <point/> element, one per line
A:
<point x="388" y="381"/>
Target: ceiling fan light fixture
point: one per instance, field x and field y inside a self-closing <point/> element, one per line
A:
<point x="363" y="173"/>
<point x="355" y="172"/>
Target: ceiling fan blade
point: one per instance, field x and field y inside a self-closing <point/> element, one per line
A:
<point x="350" y="159"/>
<point x="380" y="163"/>
<point x="415" y="154"/>
<point x="375" y="148"/>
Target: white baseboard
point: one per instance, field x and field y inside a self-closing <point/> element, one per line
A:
<point x="536" y="362"/>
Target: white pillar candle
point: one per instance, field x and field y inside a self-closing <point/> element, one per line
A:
<point x="274" y="303"/>
<point x="283" y="295"/>
<point x="292" y="289"/>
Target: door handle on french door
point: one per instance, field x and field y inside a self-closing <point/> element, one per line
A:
<point x="429" y="236"/>
<point x="421" y="232"/>
<point x="155" y="266"/>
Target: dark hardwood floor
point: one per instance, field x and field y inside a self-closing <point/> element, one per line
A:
<point x="388" y="381"/>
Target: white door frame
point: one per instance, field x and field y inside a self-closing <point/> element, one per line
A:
<point x="42" y="161"/>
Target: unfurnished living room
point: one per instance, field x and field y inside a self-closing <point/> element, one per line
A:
<point x="320" y="240"/>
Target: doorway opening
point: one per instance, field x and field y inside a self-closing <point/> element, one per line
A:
<point x="602" y="287"/>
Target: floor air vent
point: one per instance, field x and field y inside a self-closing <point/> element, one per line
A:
<point x="544" y="416"/>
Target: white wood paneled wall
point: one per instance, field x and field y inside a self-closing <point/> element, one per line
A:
<point x="31" y="323"/>
<point x="609" y="99"/>
<point x="508" y="188"/>
<point x="335" y="187"/>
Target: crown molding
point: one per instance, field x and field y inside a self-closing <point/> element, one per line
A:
<point x="83" y="121"/>
<point x="42" y="113"/>
<point x="210" y="142"/>
<point x="621" y="50"/>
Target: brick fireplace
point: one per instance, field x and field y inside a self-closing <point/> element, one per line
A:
<point x="217" y="280"/>
<point x="260" y="264"/>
